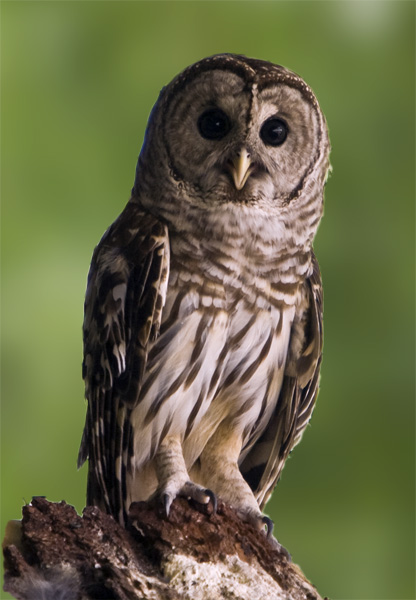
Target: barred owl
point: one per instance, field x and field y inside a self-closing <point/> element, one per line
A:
<point x="203" y="311"/>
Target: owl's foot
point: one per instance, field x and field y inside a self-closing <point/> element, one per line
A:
<point x="188" y="490"/>
<point x="174" y="479"/>
<point x="253" y="516"/>
<point x="264" y="523"/>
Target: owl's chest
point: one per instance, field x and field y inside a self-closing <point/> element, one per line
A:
<point x="233" y="321"/>
<point x="231" y="311"/>
<point x="226" y="274"/>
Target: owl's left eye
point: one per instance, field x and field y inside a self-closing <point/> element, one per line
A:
<point x="274" y="131"/>
<point x="214" y="124"/>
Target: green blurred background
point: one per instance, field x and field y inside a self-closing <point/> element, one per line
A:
<point x="78" y="82"/>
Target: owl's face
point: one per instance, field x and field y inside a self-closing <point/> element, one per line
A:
<point x="233" y="129"/>
<point x="229" y="138"/>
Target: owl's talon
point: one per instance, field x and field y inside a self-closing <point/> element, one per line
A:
<point x="269" y="525"/>
<point x="212" y="499"/>
<point x="196" y="492"/>
<point x="167" y="503"/>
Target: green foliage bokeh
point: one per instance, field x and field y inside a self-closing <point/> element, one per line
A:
<point x="78" y="82"/>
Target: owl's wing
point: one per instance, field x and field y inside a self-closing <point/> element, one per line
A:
<point x="125" y="295"/>
<point x="262" y="466"/>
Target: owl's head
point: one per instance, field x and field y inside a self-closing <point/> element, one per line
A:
<point x="234" y="129"/>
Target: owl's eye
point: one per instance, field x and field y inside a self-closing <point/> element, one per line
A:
<point x="214" y="124"/>
<point x="274" y="131"/>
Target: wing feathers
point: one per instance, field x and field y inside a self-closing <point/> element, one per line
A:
<point x="126" y="293"/>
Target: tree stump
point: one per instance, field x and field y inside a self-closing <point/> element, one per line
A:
<point x="54" y="553"/>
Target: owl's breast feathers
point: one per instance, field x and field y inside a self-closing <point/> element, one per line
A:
<point x="180" y="336"/>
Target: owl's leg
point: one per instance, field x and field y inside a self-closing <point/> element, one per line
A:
<point x="219" y="470"/>
<point x="173" y="476"/>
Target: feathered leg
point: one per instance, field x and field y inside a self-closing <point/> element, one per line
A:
<point x="173" y="475"/>
<point x="219" y="471"/>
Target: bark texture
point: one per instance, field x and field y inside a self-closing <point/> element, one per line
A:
<point x="54" y="553"/>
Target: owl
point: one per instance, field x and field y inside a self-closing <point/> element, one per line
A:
<point x="203" y="310"/>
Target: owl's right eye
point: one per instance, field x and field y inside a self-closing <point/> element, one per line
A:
<point x="214" y="124"/>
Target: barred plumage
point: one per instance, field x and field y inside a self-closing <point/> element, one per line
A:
<point x="203" y="313"/>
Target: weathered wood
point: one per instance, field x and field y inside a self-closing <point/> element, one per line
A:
<point x="54" y="553"/>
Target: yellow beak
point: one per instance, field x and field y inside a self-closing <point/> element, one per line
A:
<point x="240" y="168"/>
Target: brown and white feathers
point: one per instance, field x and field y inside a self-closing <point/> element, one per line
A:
<point x="203" y="313"/>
